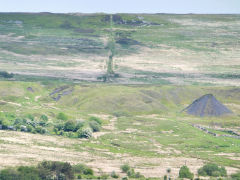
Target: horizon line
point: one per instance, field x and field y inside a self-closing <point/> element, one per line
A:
<point x="47" y="12"/>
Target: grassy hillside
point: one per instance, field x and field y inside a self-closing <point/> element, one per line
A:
<point x="55" y="82"/>
<point x="139" y="123"/>
<point x="149" y="48"/>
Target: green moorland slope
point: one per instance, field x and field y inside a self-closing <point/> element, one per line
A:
<point x="160" y="63"/>
<point x="149" y="48"/>
<point x="141" y="125"/>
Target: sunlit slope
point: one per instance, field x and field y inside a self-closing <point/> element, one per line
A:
<point x="97" y="98"/>
<point x="142" y="126"/>
<point x="150" y="48"/>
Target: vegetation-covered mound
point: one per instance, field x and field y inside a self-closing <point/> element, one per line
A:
<point x="207" y="105"/>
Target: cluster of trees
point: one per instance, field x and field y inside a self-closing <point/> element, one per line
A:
<point x="130" y="172"/>
<point x="55" y="170"/>
<point x="211" y="170"/>
<point x="26" y="124"/>
<point x="69" y="128"/>
<point x="78" y="129"/>
<point x="5" y="74"/>
<point x="46" y="170"/>
<point x="50" y="170"/>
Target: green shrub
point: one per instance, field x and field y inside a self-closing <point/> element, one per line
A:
<point x="125" y="178"/>
<point x="9" y="174"/>
<point x="29" y="128"/>
<point x="38" y="129"/>
<point x="62" y="116"/>
<point x="104" y="176"/>
<point x="125" y="168"/>
<point x="69" y="126"/>
<point x="96" y="119"/>
<point x="44" y="118"/>
<point x="88" y="171"/>
<point x="82" y="169"/>
<point x="70" y="134"/>
<point x="212" y="170"/>
<point x="169" y="170"/>
<point x="59" y="127"/>
<point x="5" y="123"/>
<point x="94" y="126"/>
<point x="79" y="125"/>
<point x="21" y="173"/>
<point x="165" y="177"/>
<point x="31" y="117"/>
<point x="138" y="175"/>
<point x="131" y="173"/>
<point x="79" y="176"/>
<point x="114" y="175"/>
<point x="60" y="133"/>
<point x="55" y="170"/>
<point x="236" y="176"/>
<point x="184" y="172"/>
<point x="84" y="133"/>
<point x="28" y="173"/>
<point x="5" y="74"/>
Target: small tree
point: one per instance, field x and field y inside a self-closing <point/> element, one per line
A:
<point x="212" y="170"/>
<point x="69" y="126"/>
<point x="44" y="118"/>
<point x="62" y="116"/>
<point x="84" y="133"/>
<point x="236" y="176"/>
<point x="185" y="173"/>
<point x="125" y="168"/>
<point x="95" y="126"/>
<point x="114" y="175"/>
<point x="99" y="121"/>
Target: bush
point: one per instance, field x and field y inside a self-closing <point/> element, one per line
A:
<point x="96" y="119"/>
<point x="69" y="126"/>
<point x="114" y="175"/>
<point x="40" y="130"/>
<point x="21" y="173"/>
<point x="9" y="174"/>
<point x="5" y="124"/>
<point x="29" y="128"/>
<point x="131" y="173"/>
<point x="78" y="126"/>
<point x="62" y="116"/>
<point x="31" y="117"/>
<point x="125" y="168"/>
<point x="212" y="170"/>
<point x="44" y="118"/>
<point x="236" y="176"/>
<point x="165" y="177"/>
<point x="185" y="173"/>
<point x="55" y="169"/>
<point x="42" y="123"/>
<point x="82" y="169"/>
<point x="5" y="74"/>
<point x="84" y="133"/>
<point x="26" y="173"/>
<point x="94" y="126"/>
<point x="59" y="127"/>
